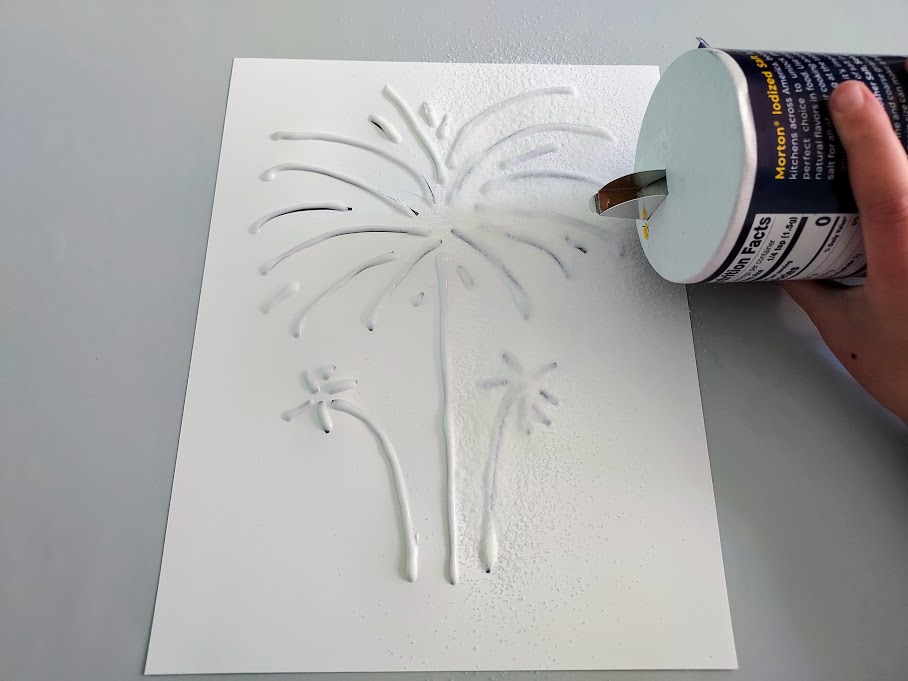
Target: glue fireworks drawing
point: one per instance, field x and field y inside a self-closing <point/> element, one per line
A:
<point x="323" y="390"/>
<point x="523" y="402"/>
<point x="444" y="217"/>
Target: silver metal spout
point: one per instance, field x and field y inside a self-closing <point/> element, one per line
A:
<point x="635" y="196"/>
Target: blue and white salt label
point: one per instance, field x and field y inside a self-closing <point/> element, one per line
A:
<point x="781" y="246"/>
<point x="802" y="222"/>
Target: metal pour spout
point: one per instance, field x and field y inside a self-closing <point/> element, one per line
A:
<point x="635" y="196"/>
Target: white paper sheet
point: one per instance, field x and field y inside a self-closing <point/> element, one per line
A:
<point x="562" y="368"/>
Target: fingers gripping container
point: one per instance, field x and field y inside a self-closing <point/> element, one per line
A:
<point x="755" y="180"/>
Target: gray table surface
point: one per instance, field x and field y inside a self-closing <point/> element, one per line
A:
<point x="110" y="125"/>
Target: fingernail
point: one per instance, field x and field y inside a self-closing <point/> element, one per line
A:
<point x="847" y="98"/>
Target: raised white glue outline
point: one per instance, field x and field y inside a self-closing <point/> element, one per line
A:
<point x="372" y="314"/>
<point x="387" y="130"/>
<point x="536" y="174"/>
<point x="256" y="226"/>
<point x="539" y="246"/>
<point x="498" y="106"/>
<point x="488" y="211"/>
<point x="350" y="142"/>
<point x="523" y="392"/>
<point x="337" y="285"/>
<point x="451" y="240"/>
<point x="526" y="157"/>
<point x="430" y="116"/>
<point x="518" y="293"/>
<point x="272" y="172"/>
<point x="474" y="162"/>
<point x="407" y="114"/>
<point x="323" y="399"/>
<point x="343" y="231"/>
<point x="283" y="294"/>
<point x="443" y="131"/>
<point x="441" y="269"/>
<point x="465" y="277"/>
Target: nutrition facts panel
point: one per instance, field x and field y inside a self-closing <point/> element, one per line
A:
<point x="807" y="246"/>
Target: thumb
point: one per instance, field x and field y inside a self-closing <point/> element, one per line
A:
<point x="878" y="170"/>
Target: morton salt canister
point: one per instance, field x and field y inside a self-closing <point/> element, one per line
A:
<point x="741" y="146"/>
